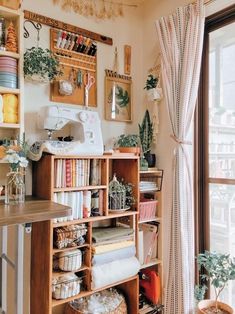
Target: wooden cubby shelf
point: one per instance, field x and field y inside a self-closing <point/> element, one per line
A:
<point x="44" y="187"/>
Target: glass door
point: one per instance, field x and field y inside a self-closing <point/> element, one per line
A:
<point x="221" y="150"/>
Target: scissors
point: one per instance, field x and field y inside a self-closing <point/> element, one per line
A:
<point x="89" y="80"/>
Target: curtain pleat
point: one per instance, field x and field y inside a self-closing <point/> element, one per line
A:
<point x="181" y="40"/>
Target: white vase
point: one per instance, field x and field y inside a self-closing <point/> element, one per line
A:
<point x="154" y="94"/>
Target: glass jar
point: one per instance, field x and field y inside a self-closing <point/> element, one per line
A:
<point x="15" y="188"/>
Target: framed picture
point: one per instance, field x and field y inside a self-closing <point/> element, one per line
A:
<point x="118" y="99"/>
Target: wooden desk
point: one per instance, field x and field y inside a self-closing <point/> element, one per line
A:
<point x="34" y="211"/>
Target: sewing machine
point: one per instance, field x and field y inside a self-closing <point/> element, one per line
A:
<point x="85" y="129"/>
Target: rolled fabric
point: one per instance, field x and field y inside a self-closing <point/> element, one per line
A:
<point x="99" y="259"/>
<point x="109" y="273"/>
<point x="111" y="247"/>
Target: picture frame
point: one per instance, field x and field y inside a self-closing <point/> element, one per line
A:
<point x="118" y="99"/>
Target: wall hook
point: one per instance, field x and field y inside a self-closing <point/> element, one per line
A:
<point x="37" y="26"/>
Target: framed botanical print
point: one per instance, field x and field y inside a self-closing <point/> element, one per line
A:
<point x="118" y="98"/>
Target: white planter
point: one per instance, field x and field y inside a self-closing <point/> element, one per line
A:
<point x="154" y="94"/>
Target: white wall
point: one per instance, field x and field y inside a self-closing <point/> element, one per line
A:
<point x="123" y="30"/>
<point x="152" y="11"/>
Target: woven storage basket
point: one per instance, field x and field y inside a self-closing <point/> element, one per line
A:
<point x="121" y="309"/>
<point x="147" y="209"/>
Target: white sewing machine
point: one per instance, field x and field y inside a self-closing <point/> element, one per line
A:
<point x="85" y="129"/>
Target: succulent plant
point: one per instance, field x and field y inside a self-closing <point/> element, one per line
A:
<point x="128" y="140"/>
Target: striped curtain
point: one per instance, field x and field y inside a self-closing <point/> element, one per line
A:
<point x="181" y="42"/>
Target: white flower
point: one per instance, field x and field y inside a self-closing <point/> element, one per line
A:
<point x="13" y="158"/>
<point x="23" y="162"/>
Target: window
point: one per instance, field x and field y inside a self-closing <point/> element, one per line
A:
<point x="216" y="140"/>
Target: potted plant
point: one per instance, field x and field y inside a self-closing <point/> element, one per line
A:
<point x="41" y="65"/>
<point x="128" y="143"/>
<point x="153" y="92"/>
<point x="218" y="269"/>
<point x="146" y="139"/>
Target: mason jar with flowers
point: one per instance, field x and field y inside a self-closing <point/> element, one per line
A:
<point x="15" y="185"/>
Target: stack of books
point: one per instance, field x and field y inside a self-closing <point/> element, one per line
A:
<point x="147" y="186"/>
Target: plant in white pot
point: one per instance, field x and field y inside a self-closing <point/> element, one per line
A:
<point x="153" y="91"/>
<point x="217" y="269"/>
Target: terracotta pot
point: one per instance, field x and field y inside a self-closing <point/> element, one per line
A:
<point x="134" y="150"/>
<point x="207" y="303"/>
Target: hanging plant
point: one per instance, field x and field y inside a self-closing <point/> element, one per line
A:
<point x="41" y="65"/>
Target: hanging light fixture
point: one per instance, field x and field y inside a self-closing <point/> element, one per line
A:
<point x="100" y="9"/>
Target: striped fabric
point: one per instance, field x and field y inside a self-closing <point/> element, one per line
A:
<point x="181" y="42"/>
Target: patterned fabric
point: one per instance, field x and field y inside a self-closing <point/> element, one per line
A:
<point x="181" y="41"/>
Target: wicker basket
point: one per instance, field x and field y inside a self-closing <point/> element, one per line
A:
<point x="122" y="309"/>
<point x="147" y="209"/>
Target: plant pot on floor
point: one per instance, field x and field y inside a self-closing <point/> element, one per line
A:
<point x="151" y="159"/>
<point x="205" y="304"/>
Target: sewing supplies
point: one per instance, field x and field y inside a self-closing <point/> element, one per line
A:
<point x="79" y="78"/>
<point x="73" y="42"/>
<point x="89" y="80"/>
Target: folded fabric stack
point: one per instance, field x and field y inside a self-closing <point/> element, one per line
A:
<point x="113" y="256"/>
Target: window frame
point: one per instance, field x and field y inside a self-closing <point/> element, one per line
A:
<point x="201" y="137"/>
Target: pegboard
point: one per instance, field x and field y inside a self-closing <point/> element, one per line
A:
<point x="73" y="61"/>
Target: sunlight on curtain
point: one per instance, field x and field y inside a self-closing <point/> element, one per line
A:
<point x="181" y="40"/>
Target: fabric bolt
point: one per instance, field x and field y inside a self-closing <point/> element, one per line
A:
<point x="111" y="247"/>
<point x="181" y="41"/>
<point x="99" y="259"/>
<point x="104" y="234"/>
<point x="106" y="274"/>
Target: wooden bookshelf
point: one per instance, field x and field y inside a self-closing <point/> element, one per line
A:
<point x="44" y="186"/>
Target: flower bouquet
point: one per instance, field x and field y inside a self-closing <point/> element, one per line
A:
<point x="15" y="186"/>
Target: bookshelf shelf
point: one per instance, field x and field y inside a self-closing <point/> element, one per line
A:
<point x="150" y="229"/>
<point x="81" y="188"/>
<point x="44" y="187"/>
<point x="71" y="248"/>
<point x="153" y="262"/>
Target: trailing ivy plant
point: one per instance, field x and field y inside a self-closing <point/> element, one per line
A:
<point x="41" y="65"/>
<point x="146" y="133"/>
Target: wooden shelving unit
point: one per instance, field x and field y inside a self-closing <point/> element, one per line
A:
<point x="42" y="234"/>
<point x="155" y="176"/>
<point x="11" y="130"/>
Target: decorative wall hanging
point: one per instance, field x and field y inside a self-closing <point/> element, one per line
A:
<point x="99" y="9"/>
<point x="77" y="56"/>
<point x="118" y="97"/>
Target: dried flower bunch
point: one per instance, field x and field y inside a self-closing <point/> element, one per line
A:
<point x="99" y="9"/>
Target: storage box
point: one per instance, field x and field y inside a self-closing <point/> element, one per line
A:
<point x="12" y="4"/>
<point x="66" y="286"/>
<point x="147" y="209"/>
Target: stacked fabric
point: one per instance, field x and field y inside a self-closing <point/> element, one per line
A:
<point x="113" y="256"/>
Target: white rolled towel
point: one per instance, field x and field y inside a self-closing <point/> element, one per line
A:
<point x="109" y="273"/>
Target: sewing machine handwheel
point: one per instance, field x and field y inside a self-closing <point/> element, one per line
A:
<point x="83" y="116"/>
